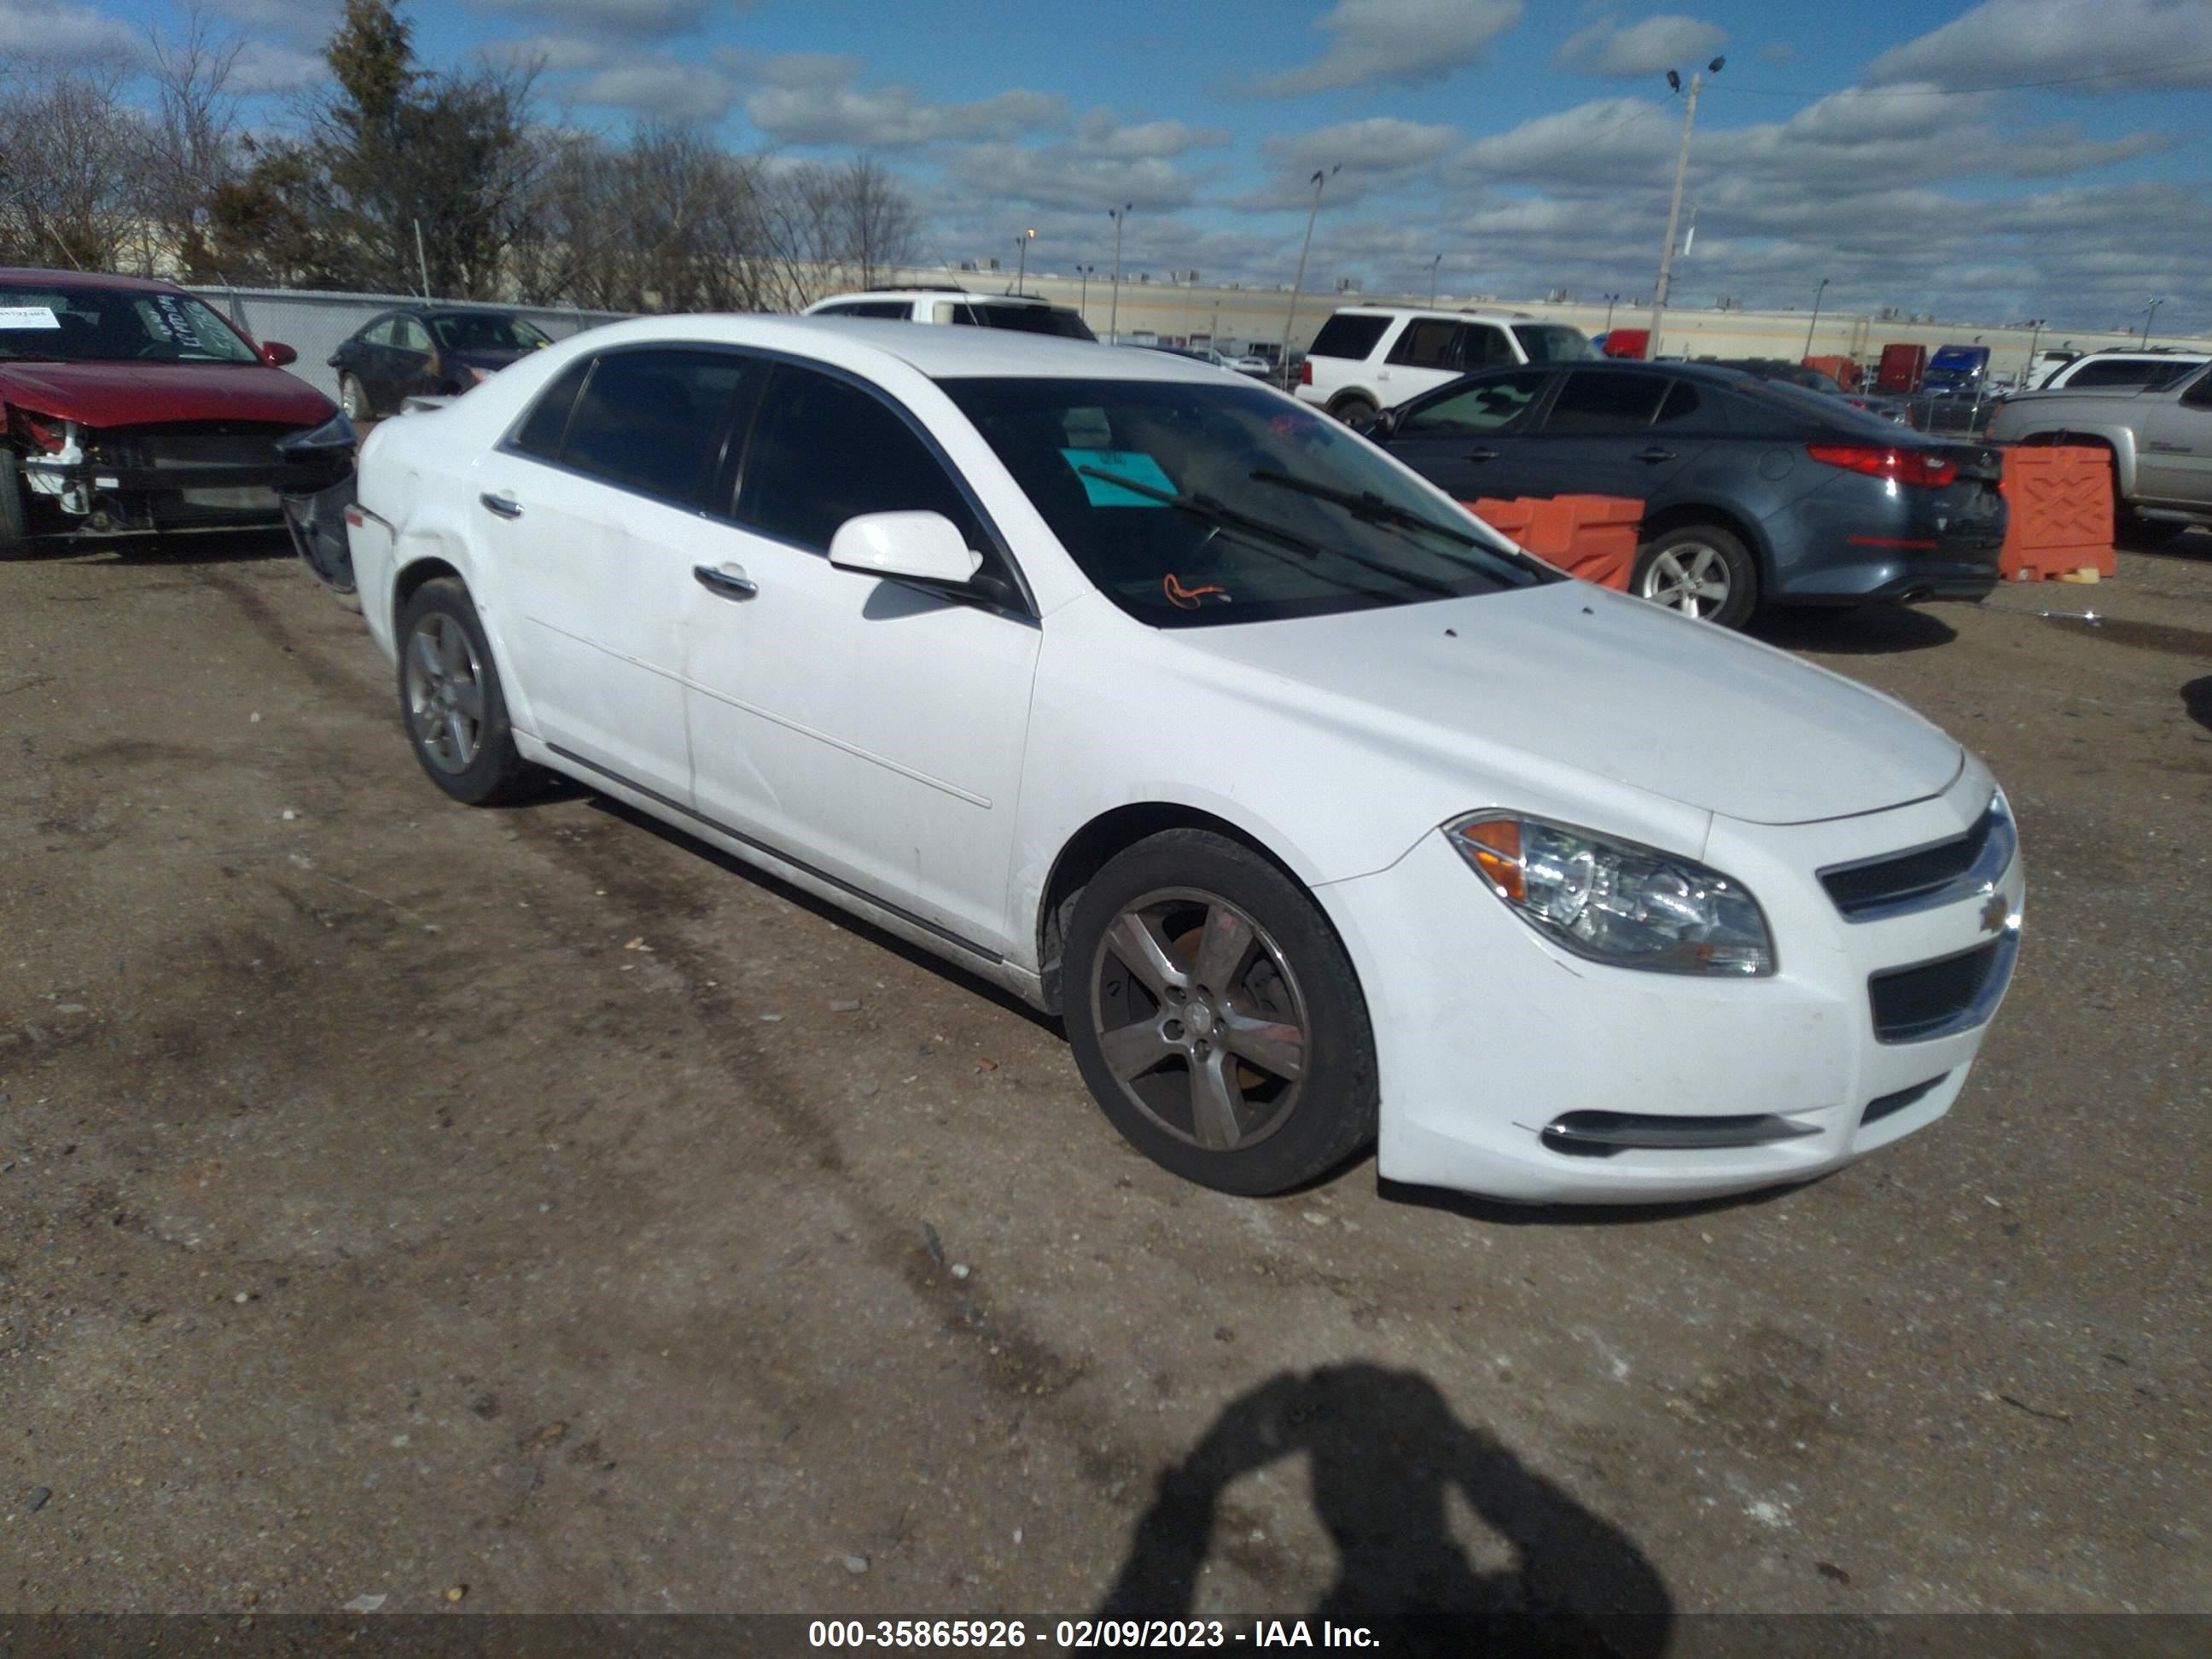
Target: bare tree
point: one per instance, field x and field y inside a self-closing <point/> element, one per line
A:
<point x="876" y="220"/>
<point x="190" y="150"/>
<point x="68" y="182"/>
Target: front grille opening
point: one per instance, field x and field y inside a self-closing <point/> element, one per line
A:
<point x="1913" y="1003"/>
<point x="1601" y="1134"/>
<point x="1882" y="1106"/>
<point x="1860" y="889"/>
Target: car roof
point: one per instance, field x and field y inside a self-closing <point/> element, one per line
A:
<point x="1454" y="312"/>
<point x="925" y="291"/>
<point x="942" y="354"/>
<point x="49" y="278"/>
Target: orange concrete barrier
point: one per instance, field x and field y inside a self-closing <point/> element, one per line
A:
<point x="2059" y="512"/>
<point x="1590" y="537"/>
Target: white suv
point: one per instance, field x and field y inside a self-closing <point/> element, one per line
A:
<point x="1373" y="357"/>
<point x="2120" y="368"/>
<point x="1023" y="313"/>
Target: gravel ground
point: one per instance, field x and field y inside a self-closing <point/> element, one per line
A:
<point x="511" y="1211"/>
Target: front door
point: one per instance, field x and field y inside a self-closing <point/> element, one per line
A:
<point x="857" y="726"/>
<point x="1623" y="432"/>
<point x="595" y="512"/>
<point x="1469" y="441"/>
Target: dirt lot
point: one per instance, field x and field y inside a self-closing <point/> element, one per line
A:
<point x="397" y="1199"/>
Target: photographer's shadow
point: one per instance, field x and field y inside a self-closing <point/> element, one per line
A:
<point x="1384" y="1450"/>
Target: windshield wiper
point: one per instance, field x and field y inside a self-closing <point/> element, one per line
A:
<point x="1217" y="512"/>
<point x="1365" y="505"/>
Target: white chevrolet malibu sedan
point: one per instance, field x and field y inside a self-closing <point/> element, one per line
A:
<point x="1324" y="817"/>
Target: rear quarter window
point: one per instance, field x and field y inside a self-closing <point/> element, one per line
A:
<point x="1348" y="336"/>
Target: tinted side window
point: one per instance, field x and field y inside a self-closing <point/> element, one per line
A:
<point x="891" y="310"/>
<point x="653" y="419"/>
<point x="1599" y="405"/>
<point x="1348" y="336"/>
<point x="1493" y="406"/>
<point x="2198" y="393"/>
<point x="1482" y="346"/>
<point x="1426" y="344"/>
<point x="379" y="331"/>
<point x="540" y="434"/>
<point x="412" y="336"/>
<point x="823" y="450"/>
<point x="1681" y="408"/>
<point x="2113" y="372"/>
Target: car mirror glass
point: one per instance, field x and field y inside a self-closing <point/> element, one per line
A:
<point x="923" y="547"/>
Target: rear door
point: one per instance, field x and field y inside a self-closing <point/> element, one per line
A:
<point x="414" y="367"/>
<point x="1468" y="440"/>
<point x="595" y="512"/>
<point x="1424" y="355"/>
<point x="2173" y="456"/>
<point x="1625" y="431"/>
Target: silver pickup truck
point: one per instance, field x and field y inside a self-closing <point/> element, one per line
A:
<point x="2161" y="439"/>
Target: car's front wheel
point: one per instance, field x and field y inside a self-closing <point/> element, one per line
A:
<point x="352" y="398"/>
<point x="450" y="700"/>
<point x="1216" y="1017"/>
<point x="1700" y="570"/>
<point x="1353" y="411"/>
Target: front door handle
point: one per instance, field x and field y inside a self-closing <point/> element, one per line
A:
<point x="1654" y="455"/>
<point x="729" y="583"/>
<point x="1482" y="454"/>
<point x="506" y="506"/>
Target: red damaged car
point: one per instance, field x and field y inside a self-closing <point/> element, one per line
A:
<point x="129" y="406"/>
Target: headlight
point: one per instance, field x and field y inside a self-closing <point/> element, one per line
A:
<point x="333" y="435"/>
<point x="1614" y="902"/>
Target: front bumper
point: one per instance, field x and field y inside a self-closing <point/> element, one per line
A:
<point x="1488" y="1036"/>
<point x="92" y="495"/>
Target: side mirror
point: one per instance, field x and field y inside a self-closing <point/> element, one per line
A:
<point x="277" y="355"/>
<point x="919" y="547"/>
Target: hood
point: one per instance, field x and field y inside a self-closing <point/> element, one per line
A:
<point x="1571" y="675"/>
<point x="141" y="394"/>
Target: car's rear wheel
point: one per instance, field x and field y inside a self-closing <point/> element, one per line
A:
<point x="1353" y="411"/>
<point x="14" y="528"/>
<point x="450" y="698"/>
<point x="1701" y="571"/>
<point x="352" y="398"/>
<point x="1216" y="1017"/>
<point x="2132" y="531"/>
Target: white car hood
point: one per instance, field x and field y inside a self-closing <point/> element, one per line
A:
<point x="1577" y="675"/>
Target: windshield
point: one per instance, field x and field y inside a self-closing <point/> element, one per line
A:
<point x="1549" y="342"/>
<point x="486" y="331"/>
<point x="113" y="325"/>
<point x="1029" y="319"/>
<point x="1194" y="506"/>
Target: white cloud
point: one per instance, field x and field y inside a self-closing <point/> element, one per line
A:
<point x="263" y="66"/>
<point x="662" y="89"/>
<point x="1406" y="42"/>
<point x="1373" y="155"/>
<point x="1101" y="133"/>
<point x="1776" y="52"/>
<point x="57" y="32"/>
<point x="653" y="18"/>
<point x="305" y="21"/>
<point x="558" y="54"/>
<point x="1059" y="176"/>
<point x="2132" y="43"/>
<point x="822" y="107"/>
<point x="1650" y="47"/>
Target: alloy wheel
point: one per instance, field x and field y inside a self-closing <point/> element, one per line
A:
<point x="1200" y="1019"/>
<point x="445" y="692"/>
<point x="1689" y="577"/>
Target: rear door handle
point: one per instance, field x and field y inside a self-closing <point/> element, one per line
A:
<point x="1655" y="455"/>
<point x="729" y="583"/>
<point x="1482" y="454"/>
<point x="505" y="506"/>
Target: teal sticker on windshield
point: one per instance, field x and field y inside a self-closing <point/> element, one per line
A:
<point x="1131" y="464"/>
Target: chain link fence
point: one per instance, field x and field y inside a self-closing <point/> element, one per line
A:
<point x="313" y="324"/>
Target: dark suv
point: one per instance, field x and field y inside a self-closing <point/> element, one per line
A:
<point x="1755" y="492"/>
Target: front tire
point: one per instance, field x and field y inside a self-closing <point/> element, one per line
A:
<point x="352" y="399"/>
<point x="1701" y="571"/>
<point x="1353" y="411"/>
<point x="14" y="525"/>
<point x="450" y="700"/>
<point x="1216" y="1018"/>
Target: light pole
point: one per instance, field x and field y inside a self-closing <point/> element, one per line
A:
<point x="1298" y="281"/>
<point x="2149" y="314"/>
<point x="1815" y="323"/>
<point x="1433" y="263"/>
<point x="1119" y="217"/>
<point x="1674" y="206"/>
<point x="1083" y="291"/>
<point x="2027" y="375"/>
<point x="1611" y="300"/>
<point x="1022" y="270"/>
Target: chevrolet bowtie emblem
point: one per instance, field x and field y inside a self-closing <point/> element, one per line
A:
<point x="1996" y="913"/>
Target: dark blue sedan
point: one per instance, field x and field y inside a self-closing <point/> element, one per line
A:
<point x="1755" y="492"/>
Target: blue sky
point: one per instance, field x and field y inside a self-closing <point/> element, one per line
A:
<point x="1986" y="161"/>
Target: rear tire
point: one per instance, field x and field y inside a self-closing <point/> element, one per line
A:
<point x="1353" y="411"/>
<point x="451" y="702"/>
<point x="352" y="399"/>
<point x="2130" y="530"/>
<point x="1699" y="570"/>
<point x="1216" y="1018"/>
<point x="14" y="527"/>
